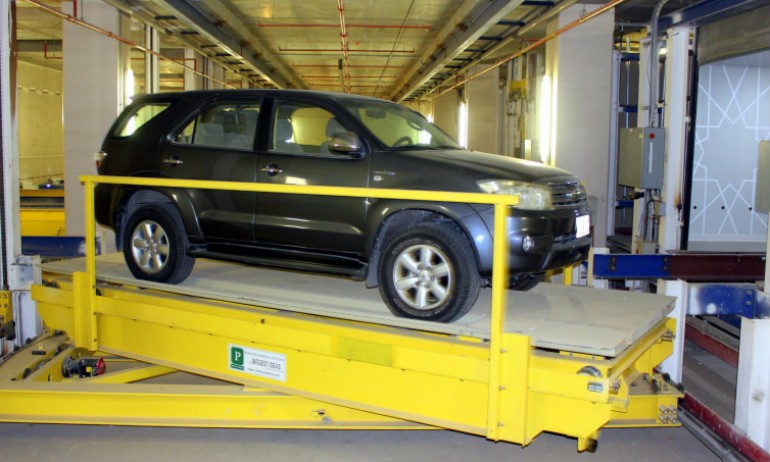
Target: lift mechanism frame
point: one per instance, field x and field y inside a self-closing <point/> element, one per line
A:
<point x="320" y="372"/>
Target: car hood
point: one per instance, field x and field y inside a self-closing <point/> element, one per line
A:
<point x="488" y="166"/>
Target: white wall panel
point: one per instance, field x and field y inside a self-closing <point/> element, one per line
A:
<point x="733" y="116"/>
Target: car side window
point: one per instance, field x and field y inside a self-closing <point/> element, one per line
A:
<point x="303" y="128"/>
<point x="222" y="125"/>
<point x="137" y="118"/>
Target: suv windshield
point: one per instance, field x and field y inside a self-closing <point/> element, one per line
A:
<point x="397" y="127"/>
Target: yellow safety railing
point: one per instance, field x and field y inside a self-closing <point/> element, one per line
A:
<point x="85" y="319"/>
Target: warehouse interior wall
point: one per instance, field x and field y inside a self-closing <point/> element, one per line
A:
<point x="445" y="110"/>
<point x="579" y="64"/>
<point x="92" y="76"/>
<point x="41" y="134"/>
<point x="484" y="96"/>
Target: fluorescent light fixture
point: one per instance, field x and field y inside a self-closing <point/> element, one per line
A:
<point x="544" y="119"/>
<point x="462" y="124"/>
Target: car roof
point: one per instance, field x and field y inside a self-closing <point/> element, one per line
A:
<point x="208" y="94"/>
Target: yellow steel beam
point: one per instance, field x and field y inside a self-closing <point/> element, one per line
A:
<point x="376" y="193"/>
<point x="28" y="361"/>
<point x="42" y="222"/>
<point x="135" y="373"/>
<point x="179" y="405"/>
<point x="42" y="192"/>
<point x="498" y="387"/>
<point x="32" y="389"/>
<point x="401" y="373"/>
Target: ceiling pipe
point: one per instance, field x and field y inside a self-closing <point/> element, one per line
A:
<point x="533" y="45"/>
<point x="653" y="63"/>
<point x="466" y="25"/>
<point x="335" y="50"/>
<point x="425" y="27"/>
<point x="345" y="65"/>
<point x="519" y="33"/>
<point x="123" y="40"/>
<point x="352" y="66"/>
<point x="150" y="20"/>
<point x="398" y="39"/>
<point x="356" y="77"/>
<point x="241" y="44"/>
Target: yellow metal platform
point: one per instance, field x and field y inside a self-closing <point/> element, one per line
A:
<point x="291" y="350"/>
<point x="555" y="317"/>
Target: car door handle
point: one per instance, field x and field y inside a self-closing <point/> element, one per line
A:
<point x="271" y="169"/>
<point x="173" y="161"/>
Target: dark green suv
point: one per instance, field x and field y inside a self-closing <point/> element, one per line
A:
<point x="429" y="259"/>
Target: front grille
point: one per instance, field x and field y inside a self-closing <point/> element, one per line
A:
<point x="567" y="192"/>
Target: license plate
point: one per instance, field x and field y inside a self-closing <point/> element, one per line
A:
<point x="583" y="225"/>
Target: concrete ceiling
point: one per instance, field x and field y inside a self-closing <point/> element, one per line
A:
<point x="395" y="49"/>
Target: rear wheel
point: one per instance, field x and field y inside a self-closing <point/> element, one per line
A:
<point x="155" y="244"/>
<point x="428" y="271"/>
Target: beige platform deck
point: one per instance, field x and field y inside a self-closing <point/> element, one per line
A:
<point x="576" y="319"/>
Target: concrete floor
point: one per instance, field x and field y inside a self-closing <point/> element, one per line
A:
<point x="28" y="442"/>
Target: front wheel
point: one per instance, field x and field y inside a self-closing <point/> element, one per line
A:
<point x="428" y="271"/>
<point x="155" y="245"/>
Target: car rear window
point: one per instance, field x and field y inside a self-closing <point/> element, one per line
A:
<point x="138" y="117"/>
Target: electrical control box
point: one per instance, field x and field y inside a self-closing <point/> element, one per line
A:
<point x="640" y="163"/>
<point x="762" y="197"/>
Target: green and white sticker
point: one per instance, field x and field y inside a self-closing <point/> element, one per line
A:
<point x="261" y="363"/>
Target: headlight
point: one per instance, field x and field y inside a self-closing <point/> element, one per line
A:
<point x="531" y="196"/>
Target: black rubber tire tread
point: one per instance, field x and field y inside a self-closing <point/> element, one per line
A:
<point x="179" y="264"/>
<point x="453" y="243"/>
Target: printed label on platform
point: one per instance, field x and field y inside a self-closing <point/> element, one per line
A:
<point x="258" y="362"/>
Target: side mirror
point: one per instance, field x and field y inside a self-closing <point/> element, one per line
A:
<point x="346" y="143"/>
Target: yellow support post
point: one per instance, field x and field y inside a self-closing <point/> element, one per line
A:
<point x="496" y="348"/>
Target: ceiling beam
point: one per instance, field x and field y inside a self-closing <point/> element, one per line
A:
<point x="470" y="22"/>
<point x="151" y="20"/>
<point x="707" y="11"/>
<point x="246" y="47"/>
<point x="498" y="47"/>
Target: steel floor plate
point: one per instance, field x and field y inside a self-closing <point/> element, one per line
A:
<point x="575" y="319"/>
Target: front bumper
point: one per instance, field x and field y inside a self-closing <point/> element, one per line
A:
<point x="538" y="240"/>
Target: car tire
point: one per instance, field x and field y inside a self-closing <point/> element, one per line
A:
<point x="428" y="271"/>
<point x="525" y="281"/>
<point x="155" y="244"/>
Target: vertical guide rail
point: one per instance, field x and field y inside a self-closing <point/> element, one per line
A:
<point x="85" y="284"/>
<point x="496" y="351"/>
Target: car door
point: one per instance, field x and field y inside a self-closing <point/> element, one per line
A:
<point x="218" y="144"/>
<point x="298" y="154"/>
